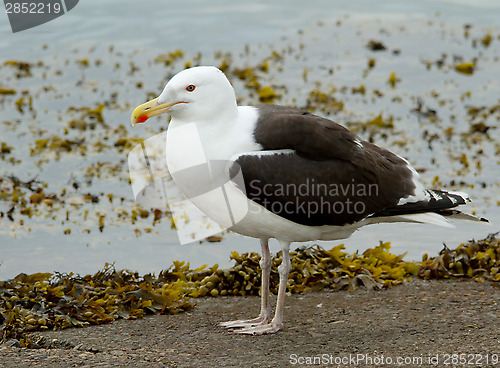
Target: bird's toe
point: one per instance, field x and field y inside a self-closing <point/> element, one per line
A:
<point x="268" y="328"/>
<point x="245" y="323"/>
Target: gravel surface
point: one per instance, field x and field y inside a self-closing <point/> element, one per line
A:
<point x="419" y="324"/>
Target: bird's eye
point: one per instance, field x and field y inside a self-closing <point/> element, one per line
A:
<point x="190" y="88"/>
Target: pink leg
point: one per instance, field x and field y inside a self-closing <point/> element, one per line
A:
<point x="265" y="307"/>
<point x="277" y="322"/>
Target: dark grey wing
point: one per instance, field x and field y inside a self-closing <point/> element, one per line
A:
<point x="314" y="193"/>
<point x="316" y="172"/>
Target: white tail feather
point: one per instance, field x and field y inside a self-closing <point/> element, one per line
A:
<point x="428" y="218"/>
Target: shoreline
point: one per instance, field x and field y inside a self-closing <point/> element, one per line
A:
<point x="419" y="318"/>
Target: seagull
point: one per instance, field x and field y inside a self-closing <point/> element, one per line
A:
<point x="303" y="177"/>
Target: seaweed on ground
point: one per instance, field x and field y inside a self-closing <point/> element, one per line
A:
<point x="43" y="301"/>
<point x="479" y="260"/>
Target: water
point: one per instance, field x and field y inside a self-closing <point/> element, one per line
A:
<point x="318" y="37"/>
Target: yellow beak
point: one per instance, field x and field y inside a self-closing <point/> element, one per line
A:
<point x="150" y="109"/>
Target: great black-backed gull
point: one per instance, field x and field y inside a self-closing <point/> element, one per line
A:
<point x="304" y="177"/>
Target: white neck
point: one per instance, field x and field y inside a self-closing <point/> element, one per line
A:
<point x="213" y="139"/>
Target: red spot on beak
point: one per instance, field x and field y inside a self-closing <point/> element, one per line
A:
<point x="142" y="118"/>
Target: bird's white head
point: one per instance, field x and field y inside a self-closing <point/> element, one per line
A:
<point x="194" y="94"/>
